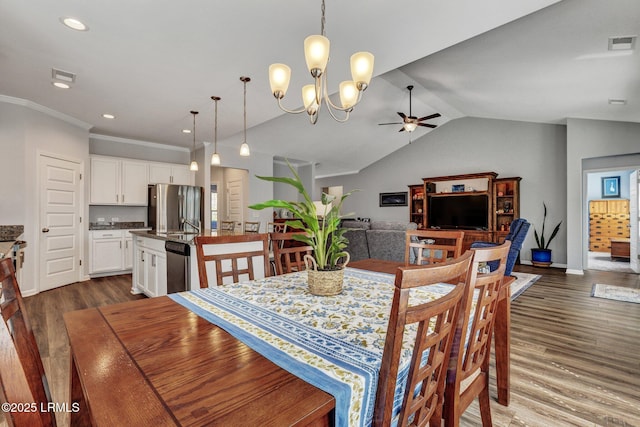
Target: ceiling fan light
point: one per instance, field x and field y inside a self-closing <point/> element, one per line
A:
<point x="348" y="94"/>
<point x="244" y="150"/>
<point x="193" y="166"/>
<point x="316" y="53"/>
<point x="410" y="127"/>
<point x="362" y="69"/>
<point x="279" y="78"/>
<point x="215" y="159"/>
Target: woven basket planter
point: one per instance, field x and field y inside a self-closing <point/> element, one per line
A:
<point x="324" y="282"/>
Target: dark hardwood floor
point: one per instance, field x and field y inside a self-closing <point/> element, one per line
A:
<point x="575" y="358"/>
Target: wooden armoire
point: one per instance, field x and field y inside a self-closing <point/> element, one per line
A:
<point x="607" y="219"/>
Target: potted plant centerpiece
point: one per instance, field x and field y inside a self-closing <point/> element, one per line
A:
<point x="320" y="230"/>
<point x="541" y="256"/>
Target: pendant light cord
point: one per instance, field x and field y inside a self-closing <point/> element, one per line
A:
<point x="322" y="21"/>
<point x="215" y="130"/>
<point x="245" y="110"/>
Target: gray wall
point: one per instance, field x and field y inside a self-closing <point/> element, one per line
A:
<point x="131" y="149"/>
<point x="28" y="130"/>
<point x="535" y="152"/>
<point x="594" y="183"/>
<point x="592" y="144"/>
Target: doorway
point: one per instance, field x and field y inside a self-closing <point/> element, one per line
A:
<point x="611" y="213"/>
<point x="229" y="200"/>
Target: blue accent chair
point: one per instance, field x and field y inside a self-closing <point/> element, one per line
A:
<point x="517" y="233"/>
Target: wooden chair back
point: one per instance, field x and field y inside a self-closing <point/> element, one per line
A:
<point x="288" y="255"/>
<point x="432" y="246"/>
<point x="232" y="256"/>
<point x="277" y="227"/>
<point x="227" y="225"/>
<point x="468" y="375"/>
<point x="22" y="377"/>
<point x="251" y="227"/>
<point x="435" y="323"/>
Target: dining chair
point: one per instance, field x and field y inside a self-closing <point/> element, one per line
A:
<point x="468" y="373"/>
<point x="276" y="227"/>
<point x="432" y="246"/>
<point x="232" y="256"/>
<point x="22" y="376"/>
<point x="227" y="225"/>
<point x="251" y="227"/>
<point x="434" y="323"/>
<point x="288" y="255"/>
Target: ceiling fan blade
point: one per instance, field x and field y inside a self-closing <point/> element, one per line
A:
<point x="396" y="123"/>
<point x="402" y="115"/>
<point x="433" y="116"/>
<point x="427" y="125"/>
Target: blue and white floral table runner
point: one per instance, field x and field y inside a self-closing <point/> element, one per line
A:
<point x="334" y="343"/>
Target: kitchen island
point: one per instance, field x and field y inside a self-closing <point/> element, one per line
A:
<point x="153" y="263"/>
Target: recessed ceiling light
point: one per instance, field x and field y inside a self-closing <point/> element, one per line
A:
<point x="108" y="116"/>
<point x="186" y="130"/>
<point x="61" y="85"/>
<point x="74" y="24"/>
<point x="618" y="101"/>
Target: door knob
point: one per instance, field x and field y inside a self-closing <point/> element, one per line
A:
<point x="45" y="230"/>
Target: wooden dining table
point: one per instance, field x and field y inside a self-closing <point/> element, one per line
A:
<point x="501" y="334"/>
<point x="152" y="362"/>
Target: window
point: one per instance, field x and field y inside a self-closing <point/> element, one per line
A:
<point x="214" y="206"/>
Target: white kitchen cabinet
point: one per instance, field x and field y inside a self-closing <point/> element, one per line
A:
<point x="118" y="182"/>
<point x="111" y="251"/>
<point x="150" y="269"/>
<point x="166" y="173"/>
<point x="106" y="251"/>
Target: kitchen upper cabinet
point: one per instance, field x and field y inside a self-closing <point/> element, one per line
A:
<point x="118" y="182"/>
<point x="165" y="173"/>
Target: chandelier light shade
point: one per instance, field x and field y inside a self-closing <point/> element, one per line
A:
<point x="244" y="148"/>
<point x="215" y="157"/>
<point x="194" y="165"/>
<point x="316" y="53"/>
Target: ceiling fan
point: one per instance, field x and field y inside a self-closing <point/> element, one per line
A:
<point x="410" y="123"/>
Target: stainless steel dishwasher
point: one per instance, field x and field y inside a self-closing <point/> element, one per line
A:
<point x="178" y="269"/>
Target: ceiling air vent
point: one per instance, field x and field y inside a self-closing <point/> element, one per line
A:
<point x="64" y="76"/>
<point x="622" y="43"/>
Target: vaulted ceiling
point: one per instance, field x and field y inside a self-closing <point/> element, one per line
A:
<point x="150" y="62"/>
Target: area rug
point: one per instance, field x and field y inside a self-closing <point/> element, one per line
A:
<point x="618" y="293"/>
<point x="522" y="283"/>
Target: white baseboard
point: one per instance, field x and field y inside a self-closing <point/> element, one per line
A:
<point x="574" y="271"/>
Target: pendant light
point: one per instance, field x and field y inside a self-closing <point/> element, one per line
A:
<point x="244" y="148"/>
<point x="215" y="157"/>
<point x="194" y="164"/>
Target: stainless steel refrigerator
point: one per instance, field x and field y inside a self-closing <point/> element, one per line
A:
<point x="175" y="208"/>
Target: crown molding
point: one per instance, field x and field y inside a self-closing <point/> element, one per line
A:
<point x="330" y="175"/>
<point x="100" y="137"/>
<point x="45" y="110"/>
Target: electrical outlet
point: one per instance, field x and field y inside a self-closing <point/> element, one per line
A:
<point x="115" y="219"/>
<point x="256" y="215"/>
<point x="100" y="219"/>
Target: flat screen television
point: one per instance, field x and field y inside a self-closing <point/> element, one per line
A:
<point x="469" y="212"/>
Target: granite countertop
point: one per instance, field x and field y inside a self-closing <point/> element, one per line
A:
<point x="182" y="237"/>
<point x="131" y="225"/>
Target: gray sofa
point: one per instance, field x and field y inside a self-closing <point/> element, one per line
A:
<point x="377" y="239"/>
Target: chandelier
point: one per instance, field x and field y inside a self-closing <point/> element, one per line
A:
<point x="316" y="53"/>
<point x="194" y="165"/>
<point x="215" y="157"/>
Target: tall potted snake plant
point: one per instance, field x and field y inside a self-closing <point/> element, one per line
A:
<point x="541" y="256"/>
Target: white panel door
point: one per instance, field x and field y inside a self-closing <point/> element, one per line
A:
<point x="235" y="199"/>
<point x="634" y="202"/>
<point x="60" y="210"/>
